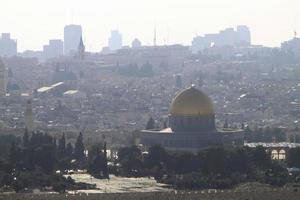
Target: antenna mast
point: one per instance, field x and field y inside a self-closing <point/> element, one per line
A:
<point x="154" y="39"/>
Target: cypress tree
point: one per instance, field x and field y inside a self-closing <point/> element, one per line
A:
<point x="165" y="125"/>
<point x="69" y="150"/>
<point x="226" y="124"/>
<point x="13" y="154"/>
<point x="105" y="168"/>
<point x="150" y="124"/>
<point x="62" y="146"/>
<point x="79" y="148"/>
<point x="25" y="138"/>
<point x="243" y="126"/>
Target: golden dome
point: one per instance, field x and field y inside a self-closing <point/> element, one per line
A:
<point x="191" y="102"/>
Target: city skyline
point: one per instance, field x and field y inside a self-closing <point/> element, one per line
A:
<point x="136" y="19"/>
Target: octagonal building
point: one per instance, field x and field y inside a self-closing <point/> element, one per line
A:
<point x="191" y="125"/>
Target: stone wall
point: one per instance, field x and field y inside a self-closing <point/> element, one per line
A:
<point x="272" y="194"/>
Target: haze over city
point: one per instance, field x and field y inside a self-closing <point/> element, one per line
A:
<point x="137" y="99"/>
<point x="34" y="22"/>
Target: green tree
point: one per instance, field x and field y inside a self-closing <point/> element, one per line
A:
<point x="13" y="155"/>
<point x="69" y="150"/>
<point x="79" y="148"/>
<point x="62" y="146"/>
<point x="238" y="161"/>
<point x="131" y="160"/>
<point x="156" y="157"/>
<point x="214" y="160"/>
<point x="25" y="138"/>
<point x="165" y="124"/>
<point x="297" y="138"/>
<point x="150" y="124"/>
<point x="105" y="163"/>
<point x="98" y="162"/>
<point x="226" y="124"/>
<point x="45" y="157"/>
<point x="260" y="158"/>
<point x="293" y="160"/>
<point x="243" y="126"/>
<point x="248" y="134"/>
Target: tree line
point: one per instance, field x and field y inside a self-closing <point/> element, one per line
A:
<point x="267" y="134"/>
<point x="215" y="167"/>
<point x="34" y="161"/>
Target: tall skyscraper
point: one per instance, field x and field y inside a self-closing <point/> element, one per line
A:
<point x="8" y="46"/>
<point x="2" y="79"/>
<point x="29" y="116"/>
<point x="115" y="40"/>
<point x="72" y="35"/>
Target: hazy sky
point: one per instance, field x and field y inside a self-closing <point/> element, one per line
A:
<point x="34" y="22"/>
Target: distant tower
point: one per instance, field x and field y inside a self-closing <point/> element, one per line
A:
<point x="2" y="79"/>
<point x="154" y="38"/>
<point x="115" y="41"/>
<point x="136" y="43"/>
<point x="8" y="46"/>
<point x="72" y="34"/>
<point x="29" y="116"/>
<point x="81" y="49"/>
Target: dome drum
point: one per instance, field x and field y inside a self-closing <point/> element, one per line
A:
<point x="191" y="123"/>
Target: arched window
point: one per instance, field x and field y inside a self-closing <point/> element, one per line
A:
<point x="281" y="155"/>
<point x="274" y="154"/>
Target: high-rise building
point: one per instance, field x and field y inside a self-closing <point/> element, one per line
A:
<point x="72" y="35"/>
<point x="29" y="116"/>
<point x="2" y="79"/>
<point x="228" y="37"/>
<point x="8" y="46"/>
<point x="115" y="40"/>
<point x="244" y="34"/>
<point x="292" y="46"/>
<point x="53" y="50"/>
